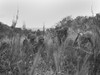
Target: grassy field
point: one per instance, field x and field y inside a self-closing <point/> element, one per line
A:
<point x="71" y="48"/>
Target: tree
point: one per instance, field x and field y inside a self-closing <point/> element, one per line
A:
<point x="14" y="22"/>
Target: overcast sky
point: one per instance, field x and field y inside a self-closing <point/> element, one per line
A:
<point x="35" y="13"/>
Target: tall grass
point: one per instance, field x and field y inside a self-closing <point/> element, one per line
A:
<point x="58" y="52"/>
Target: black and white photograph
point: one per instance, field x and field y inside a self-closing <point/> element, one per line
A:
<point x="49" y="37"/>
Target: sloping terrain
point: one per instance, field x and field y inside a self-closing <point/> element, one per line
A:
<point x="71" y="48"/>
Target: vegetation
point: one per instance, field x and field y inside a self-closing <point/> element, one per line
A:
<point x="71" y="48"/>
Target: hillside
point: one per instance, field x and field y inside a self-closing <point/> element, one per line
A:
<point x="71" y="48"/>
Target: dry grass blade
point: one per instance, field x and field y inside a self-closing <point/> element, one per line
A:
<point x="35" y="62"/>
